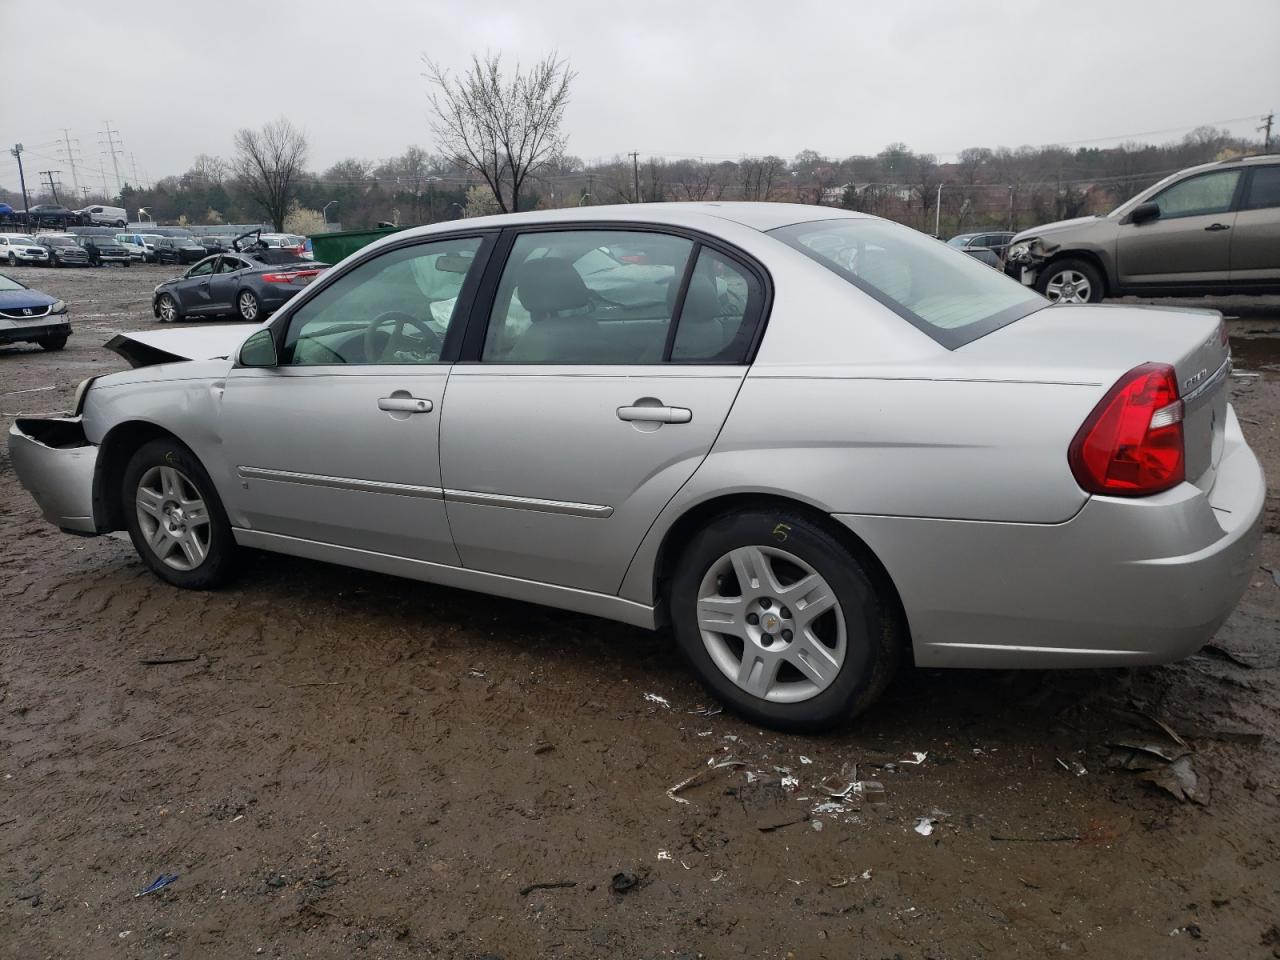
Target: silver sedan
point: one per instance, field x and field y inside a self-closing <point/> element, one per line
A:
<point x="812" y="442"/>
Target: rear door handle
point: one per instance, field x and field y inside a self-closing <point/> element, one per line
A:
<point x="655" y="414"/>
<point x="1217" y="226"/>
<point x="404" y="405"/>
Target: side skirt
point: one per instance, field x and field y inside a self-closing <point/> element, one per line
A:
<point x="530" y="591"/>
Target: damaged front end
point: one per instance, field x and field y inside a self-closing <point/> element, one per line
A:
<point x="55" y="462"/>
<point x="1025" y="257"/>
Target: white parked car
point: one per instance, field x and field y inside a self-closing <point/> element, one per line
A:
<point x="16" y="248"/>
<point x="98" y="215"/>
<point x="133" y="244"/>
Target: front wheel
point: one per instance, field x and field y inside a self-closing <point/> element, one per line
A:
<point x="175" y="519"/>
<point x="1071" y="281"/>
<point x="167" y="309"/>
<point x="783" y="622"/>
<point x="13" y="260"/>
<point x="247" y="306"/>
<point x="56" y="342"/>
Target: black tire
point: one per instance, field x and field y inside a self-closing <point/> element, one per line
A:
<point x="13" y="259"/>
<point x="160" y="308"/>
<point x="873" y="632"/>
<point x="240" y="307"/>
<point x="219" y="558"/>
<point x="126" y="264"/>
<point x="53" y="343"/>
<point x="1097" y="283"/>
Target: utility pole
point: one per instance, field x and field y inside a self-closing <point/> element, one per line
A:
<point x="26" y="204"/>
<point x="106" y="194"/>
<point x="114" y="150"/>
<point x="1266" y="127"/>
<point x="133" y="160"/>
<point x="635" y="170"/>
<point x="52" y="189"/>
<point x="937" y="214"/>
<point x="71" y="157"/>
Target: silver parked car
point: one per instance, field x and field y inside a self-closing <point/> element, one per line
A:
<point x="809" y="440"/>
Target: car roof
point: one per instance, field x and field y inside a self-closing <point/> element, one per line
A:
<point x="755" y="215"/>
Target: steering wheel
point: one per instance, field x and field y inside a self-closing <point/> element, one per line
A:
<point x="399" y="318"/>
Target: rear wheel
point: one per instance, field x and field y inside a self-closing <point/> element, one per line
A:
<point x="1071" y="281"/>
<point x="175" y="519"/>
<point x="782" y="621"/>
<point x="56" y="342"/>
<point x="247" y="305"/>
<point x="167" y="309"/>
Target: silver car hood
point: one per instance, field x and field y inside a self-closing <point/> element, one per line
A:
<point x="146" y="348"/>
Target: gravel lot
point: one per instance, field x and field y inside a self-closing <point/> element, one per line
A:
<point x="355" y="765"/>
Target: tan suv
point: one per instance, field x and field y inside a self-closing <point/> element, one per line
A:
<point x="1212" y="229"/>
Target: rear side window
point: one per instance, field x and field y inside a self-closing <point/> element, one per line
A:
<point x="949" y="295"/>
<point x="1264" y="191"/>
<point x="718" y="316"/>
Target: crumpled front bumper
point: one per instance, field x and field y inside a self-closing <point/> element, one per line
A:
<point x="55" y="463"/>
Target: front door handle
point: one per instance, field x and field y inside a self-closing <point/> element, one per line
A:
<point x="1217" y="226"/>
<point x="404" y="405"/>
<point x="655" y="414"/>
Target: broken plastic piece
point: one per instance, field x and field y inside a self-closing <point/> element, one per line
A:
<point x="660" y="701"/>
<point x="159" y="883"/>
<point x="924" y="825"/>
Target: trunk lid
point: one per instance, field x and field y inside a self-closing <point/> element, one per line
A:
<point x="1098" y="343"/>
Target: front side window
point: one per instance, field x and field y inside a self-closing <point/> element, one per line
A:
<point x="229" y="265"/>
<point x="586" y="296"/>
<point x="1199" y="196"/>
<point x="394" y="309"/>
<point x="949" y="295"/>
<point x="1264" y="190"/>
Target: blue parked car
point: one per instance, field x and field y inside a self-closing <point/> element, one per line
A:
<point x="29" y="316"/>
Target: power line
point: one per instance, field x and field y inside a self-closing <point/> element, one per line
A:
<point x="52" y="189"/>
<point x="113" y="150"/>
<point x="71" y="158"/>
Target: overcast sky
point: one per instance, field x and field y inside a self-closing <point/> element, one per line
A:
<point x="706" y="78"/>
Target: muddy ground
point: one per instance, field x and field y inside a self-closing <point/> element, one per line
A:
<point x="355" y="765"/>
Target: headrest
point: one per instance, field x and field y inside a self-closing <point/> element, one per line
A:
<point x="550" y="285"/>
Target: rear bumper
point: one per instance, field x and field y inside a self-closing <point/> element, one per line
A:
<point x="55" y="463"/>
<point x="18" y="331"/>
<point x="1123" y="582"/>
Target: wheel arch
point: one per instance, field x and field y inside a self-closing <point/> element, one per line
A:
<point x="119" y="444"/>
<point x="685" y="527"/>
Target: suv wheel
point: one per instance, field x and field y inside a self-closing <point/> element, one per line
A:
<point x="1071" y="281"/>
<point x="782" y="622"/>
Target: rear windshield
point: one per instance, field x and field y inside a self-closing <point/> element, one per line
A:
<point x="949" y="295"/>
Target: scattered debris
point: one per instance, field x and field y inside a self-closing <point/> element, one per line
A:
<point x="1058" y="838"/>
<point x="664" y="854"/>
<point x="829" y="806"/>
<point x="816" y="824"/>
<point x="711" y="767"/>
<point x="924" y="825"/>
<point x="845" y="787"/>
<point x="1275" y="574"/>
<point x="805" y="761"/>
<point x="717" y="876"/>
<point x="159" y="883"/>
<point x="164" y="658"/>
<point x="917" y="758"/>
<point x="622" y="882"/>
<point x="1169" y="768"/>
<point x="789" y="782"/>
<point x="549" y="885"/>
<point x="771" y="825"/>
<point x="543" y="746"/>
<point x="660" y="701"/>
<point x="702" y="711"/>
<point x="478" y="674"/>
<point x="1075" y="766"/>
<point x="837" y="882"/>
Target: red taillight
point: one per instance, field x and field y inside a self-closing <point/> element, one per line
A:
<point x="1132" y="443"/>
<point x="290" y="277"/>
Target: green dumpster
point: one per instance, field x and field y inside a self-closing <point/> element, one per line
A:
<point x="332" y="247"/>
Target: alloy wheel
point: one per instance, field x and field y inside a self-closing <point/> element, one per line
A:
<point x="168" y="309"/>
<point x="248" y="306"/>
<point x="173" y="518"/>
<point x="1068" y="286"/>
<point x="771" y="623"/>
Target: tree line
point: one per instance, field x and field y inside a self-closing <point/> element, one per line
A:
<point x="501" y="147"/>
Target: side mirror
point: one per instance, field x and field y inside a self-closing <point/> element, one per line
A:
<point x="259" y="350"/>
<point x="1145" y="212"/>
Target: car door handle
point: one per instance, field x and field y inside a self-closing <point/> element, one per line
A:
<point x="1217" y="226"/>
<point x="404" y="405"/>
<point x="655" y="414"/>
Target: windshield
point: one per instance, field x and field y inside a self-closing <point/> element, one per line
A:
<point x="961" y="240"/>
<point x="7" y="284"/>
<point x="950" y="296"/>
<point x="61" y="241"/>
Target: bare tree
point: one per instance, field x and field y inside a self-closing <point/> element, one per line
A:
<point x="502" y="128"/>
<point x="268" y="163"/>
